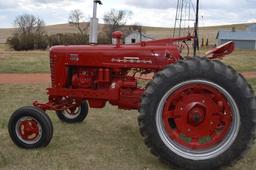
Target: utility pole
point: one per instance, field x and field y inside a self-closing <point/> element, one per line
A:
<point x="196" y="28"/>
<point x="93" y="39"/>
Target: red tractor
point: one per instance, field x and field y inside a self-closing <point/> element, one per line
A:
<point x="195" y="113"/>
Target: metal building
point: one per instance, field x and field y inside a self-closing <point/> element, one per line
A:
<point x="251" y="28"/>
<point x="242" y="39"/>
<point x="136" y="37"/>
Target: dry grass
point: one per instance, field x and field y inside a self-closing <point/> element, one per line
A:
<point x="253" y="83"/>
<point x="241" y="60"/>
<point x="23" y="61"/>
<point x="109" y="139"/>
<point x="5" y="34"/>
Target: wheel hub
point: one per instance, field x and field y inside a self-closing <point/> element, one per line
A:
<point x="29" y="130"/>
<point x="72" y="112"/>
<point x="197" y="116"/>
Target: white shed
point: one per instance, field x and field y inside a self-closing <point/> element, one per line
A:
<point x="136" y="37"/>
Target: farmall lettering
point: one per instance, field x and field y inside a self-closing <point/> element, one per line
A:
<point x="74" y="57"/>
<point x="131" y="60"/>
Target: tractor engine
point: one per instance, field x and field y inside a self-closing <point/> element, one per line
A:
<point x="107" y="79"/>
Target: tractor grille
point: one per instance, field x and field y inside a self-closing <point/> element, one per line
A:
<point x="53" y="69"/>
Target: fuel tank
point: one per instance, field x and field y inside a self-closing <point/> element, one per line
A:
<point x="113" y="56"/>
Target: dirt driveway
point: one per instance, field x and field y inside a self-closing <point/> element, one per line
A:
<point x="249" y="75"/>
<point x="39" y="78"/>
<point x="24" y="78"/>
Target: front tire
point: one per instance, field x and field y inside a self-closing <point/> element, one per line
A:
<point x="30" y="127"/>
<point x="198" y="114"/>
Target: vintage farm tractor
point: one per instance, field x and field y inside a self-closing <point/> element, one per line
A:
<point x="195" y="113"/>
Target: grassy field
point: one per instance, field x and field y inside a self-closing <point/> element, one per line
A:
<point x="109" y="139"/>
<point x="23" y="61"/>
<point x="242" y="60"/>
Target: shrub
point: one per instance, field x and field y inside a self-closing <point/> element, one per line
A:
<point x="68" y="39"/>
<point x="30" y="33"/>
<point x="28" y="42"/>
<point x="104" y="39"/>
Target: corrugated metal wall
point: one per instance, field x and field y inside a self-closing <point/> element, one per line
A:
<point x="242" y="44"/>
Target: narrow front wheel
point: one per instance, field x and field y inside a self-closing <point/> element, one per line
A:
<point x="29" y="127"/>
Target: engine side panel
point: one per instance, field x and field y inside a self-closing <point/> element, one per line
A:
<point x="102" y="73"/>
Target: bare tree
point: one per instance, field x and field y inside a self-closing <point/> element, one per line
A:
<point x="30" y="33"/>
<point x="136" y="27"/>
<point x="28" y="24"/>
<point x="116" y="20"/>
<point x="75" y="19"/>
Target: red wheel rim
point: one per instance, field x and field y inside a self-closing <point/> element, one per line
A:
<point x="197" y="119"/>
<point x="72" y="112"/>
<point x="73" y="108"/>
<point x="197" y="116"/>
<point x="28" y="130"/>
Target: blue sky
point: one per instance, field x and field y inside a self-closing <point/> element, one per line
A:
<point x="145" y="12"/>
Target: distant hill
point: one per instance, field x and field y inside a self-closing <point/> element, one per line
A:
<point x="156" y="32"/>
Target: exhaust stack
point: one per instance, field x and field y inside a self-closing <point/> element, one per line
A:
<point x="93" y="39"/>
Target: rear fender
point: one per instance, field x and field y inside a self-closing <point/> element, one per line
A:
<point x="221" y="51"/>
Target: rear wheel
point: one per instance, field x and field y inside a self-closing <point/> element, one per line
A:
<point x="198" y="114"/>
<point x="29" y="127"/>
<point x="74" y="114"/>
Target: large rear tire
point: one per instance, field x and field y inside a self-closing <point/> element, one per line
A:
<point x="198" y="114"/>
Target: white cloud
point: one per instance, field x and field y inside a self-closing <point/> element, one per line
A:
<point x="2" y="17"/>
<point x="7" y="4"/>
<point x="152" y="4"/>
<point x="146" y="12"/>
<point x="252" y="20"/>
<point x="216" y="4"/>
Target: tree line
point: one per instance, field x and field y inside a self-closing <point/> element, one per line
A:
<point x="31" y="34"/>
